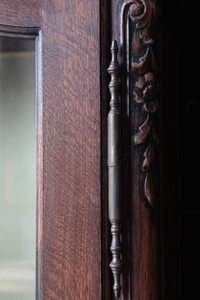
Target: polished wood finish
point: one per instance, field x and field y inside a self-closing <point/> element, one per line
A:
<point x="73" y="236"/>
<point x="69" y="148"/>
<point x="71" y="151"/>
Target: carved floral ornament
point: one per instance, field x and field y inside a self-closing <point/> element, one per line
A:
<point x="145" y="88"/>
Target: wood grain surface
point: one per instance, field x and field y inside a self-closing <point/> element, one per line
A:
<point x="71" y="157"/>
<point x="73" y="230"/>
<point x="69" y="148"/>
<point x="21" y="13"/>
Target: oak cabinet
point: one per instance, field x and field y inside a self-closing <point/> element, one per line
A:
<point x="75" y="93"/>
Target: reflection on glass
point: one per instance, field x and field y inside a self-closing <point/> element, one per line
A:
<point x="17" y="169"/>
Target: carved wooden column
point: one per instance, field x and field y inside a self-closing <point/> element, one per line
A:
<point x="143" y="104"/>
<point x="140" y="102"/>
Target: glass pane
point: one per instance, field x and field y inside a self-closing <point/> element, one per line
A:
<point x="17" y="169"/>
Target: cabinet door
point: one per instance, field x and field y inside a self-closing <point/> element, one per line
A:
<point x="72" y="41"/>
<point x="67" y="38"/>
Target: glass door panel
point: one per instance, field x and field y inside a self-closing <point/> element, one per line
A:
<point x="17" y="169"/>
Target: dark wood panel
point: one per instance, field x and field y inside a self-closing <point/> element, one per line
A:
<point x="69" y="254"/>
<point x="71" y="251"/>
<point x="18" y="13"/>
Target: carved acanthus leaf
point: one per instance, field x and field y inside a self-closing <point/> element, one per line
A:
<point x="145" y="86"/>
<point x="149" y="155"/>
<point x="144" y="132"/>
<point x="142" y="65"/>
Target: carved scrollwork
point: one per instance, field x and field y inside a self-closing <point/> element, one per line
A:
<point x="145" y="89"/>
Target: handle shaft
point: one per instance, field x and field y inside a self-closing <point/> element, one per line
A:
<point x="115" y="170"/>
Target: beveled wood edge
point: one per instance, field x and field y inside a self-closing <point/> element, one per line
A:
<point x="19" y="32"/>
<point x="39" y="167"/>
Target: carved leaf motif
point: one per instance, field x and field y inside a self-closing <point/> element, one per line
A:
<point x="142" y="13"/>
<point x="141" y="66"/>
<point x="144" y="131"/>
<point x="149" y="157"/>
<point x="150" y="188"/>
